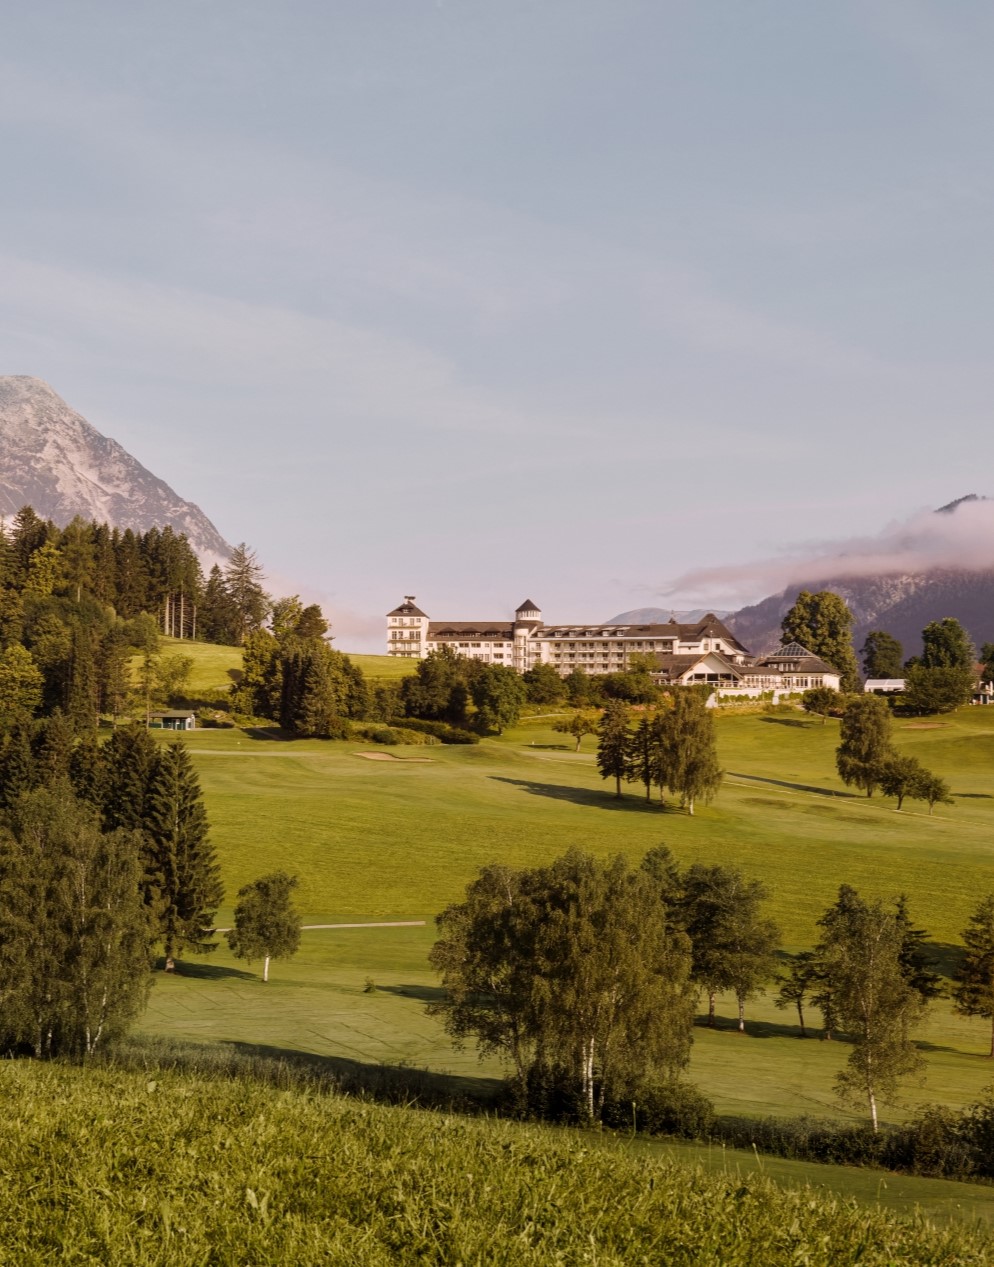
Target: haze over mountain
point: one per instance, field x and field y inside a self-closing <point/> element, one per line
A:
<point x="52" y="459"/>
<point x="935" y="564"/>
<point x="661" y="615"/>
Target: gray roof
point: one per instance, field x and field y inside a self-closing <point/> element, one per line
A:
<point x="407" y="608"/>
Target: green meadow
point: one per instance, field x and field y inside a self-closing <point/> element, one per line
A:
<point x="394" y="835"/>
<point x="140" y="1168"/>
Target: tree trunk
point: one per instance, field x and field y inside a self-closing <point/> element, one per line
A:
<point x="690" y="807"/>
<point x="800" y="1018"/>
<point x="265" y="969"/>
<point x="873" y="1110"/>
<point x="711" y="1008"/>
<point x="742" y="1014"/>
<point x="617" y="784"/>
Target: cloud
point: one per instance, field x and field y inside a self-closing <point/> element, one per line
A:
<point x="961" y="538"/>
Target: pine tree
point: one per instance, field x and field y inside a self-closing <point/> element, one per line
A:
<point x="176" y="826"/>
<point x="243" y="583"/>
<point x="81" y="687"/>
<point x="914" y="957"/>
<point x="17" y="763"/>
<point x="612" y="747"/>
<point x="973" y="991"/>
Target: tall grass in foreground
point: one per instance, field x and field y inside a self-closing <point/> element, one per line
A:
<point x="122" y="1167"/>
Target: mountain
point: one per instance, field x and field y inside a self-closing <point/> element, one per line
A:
<point x="661" y="615"/>
<point x="902" y="603"/>
<point x="53" y="460"/>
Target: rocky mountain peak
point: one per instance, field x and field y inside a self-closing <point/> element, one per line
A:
<point x="51" y="458"/>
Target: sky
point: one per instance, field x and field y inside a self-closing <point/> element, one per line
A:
<point x="603" y="303"/>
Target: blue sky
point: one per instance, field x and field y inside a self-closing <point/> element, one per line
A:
<point x="565" y="299"/>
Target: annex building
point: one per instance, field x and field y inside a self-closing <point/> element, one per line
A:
<point x="703" y="652"/>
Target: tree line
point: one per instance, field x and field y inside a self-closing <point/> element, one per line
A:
<point x="584" y="977"/>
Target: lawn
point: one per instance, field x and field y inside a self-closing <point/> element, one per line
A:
<point x="398" y="839"/>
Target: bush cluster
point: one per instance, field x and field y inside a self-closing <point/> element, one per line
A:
<point x="442" y="731"/>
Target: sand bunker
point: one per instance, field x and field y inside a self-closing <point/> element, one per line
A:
<point x="389" y="756"/>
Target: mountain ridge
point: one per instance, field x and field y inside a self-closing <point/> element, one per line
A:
<point x="54" y="460"/>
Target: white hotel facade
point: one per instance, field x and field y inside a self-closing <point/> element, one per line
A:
<point x="702" y="652"/>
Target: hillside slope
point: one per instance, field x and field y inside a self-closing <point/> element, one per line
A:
<point x="159" y="1168"/>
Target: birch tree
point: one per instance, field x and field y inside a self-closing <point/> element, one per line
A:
<point x="872" y="1001"/>
<point x="573" y="971"/>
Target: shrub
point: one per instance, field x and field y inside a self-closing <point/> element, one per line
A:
<point x="441" y="730"/>
<point x="666" y="1107"/>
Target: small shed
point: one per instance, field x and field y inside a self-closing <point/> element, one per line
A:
<point x="174" y="719"/>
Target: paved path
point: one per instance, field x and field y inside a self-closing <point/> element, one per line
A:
<point x="395" y="923"/>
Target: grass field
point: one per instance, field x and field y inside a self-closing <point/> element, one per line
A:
<point x="131" y="1169"/>
<point x="398" y="839"/>
<point x="215" y="667"/>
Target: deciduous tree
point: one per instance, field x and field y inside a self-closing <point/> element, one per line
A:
<point x="688" y="753"/>
<point x="572" y="968"/>
<point x="872" y="1000"/>
<point x="822" y="623"/>
<point x="864" y="742"/>
<point x="75" y="937"/>
<point x="267" y="925"/>
<point x="883" y="655"/>
<point x="578" y="725"/>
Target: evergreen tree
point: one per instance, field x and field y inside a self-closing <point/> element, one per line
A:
<point x="81" y="687"/>
<point x="54" y="746"/>
<point x="973" y="989"/>
<point x="822" y="623"/>
<point x="243" y="583"/>
<point x="267" y="926"/>
<point x="113" y="672"/>
<point x="176" y="826"/>
<point x="913" y="956"/>
<point x="219" y="621"/>
<point x="883" y="655"/>
<point x="612" y="747"/>
<point x="78" y="558"/>
<point x="17" y="763"/>
<point x="643" y="755"/>
<point x="864" y="742"/>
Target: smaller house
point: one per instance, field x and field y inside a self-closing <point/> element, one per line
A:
<point x="788" y="671"/>
<point x="174" y="719"/>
